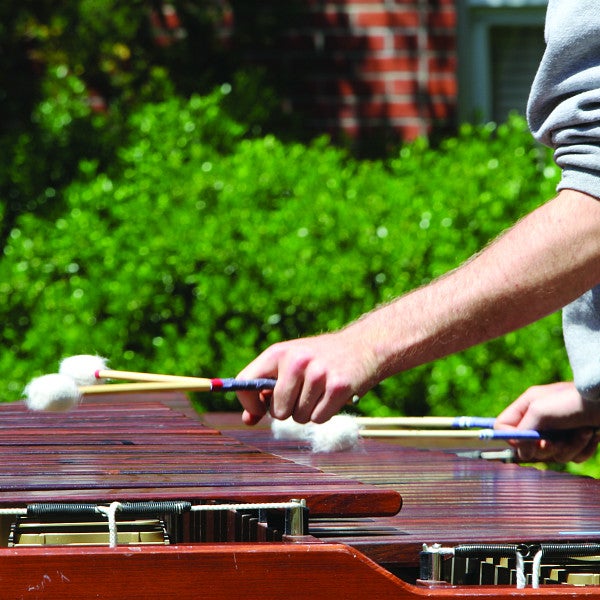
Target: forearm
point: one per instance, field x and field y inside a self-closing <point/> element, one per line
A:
<point x="544" y="262"/>
<point x="548" y="259"/>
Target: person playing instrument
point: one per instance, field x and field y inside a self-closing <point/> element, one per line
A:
<point x="547" y="261"/>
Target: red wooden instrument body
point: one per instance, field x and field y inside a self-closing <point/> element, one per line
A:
<point x="371" y="510"/>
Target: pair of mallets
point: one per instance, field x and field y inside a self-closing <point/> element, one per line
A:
<point x="86" y="374"/>
<point x="344" y="432"/>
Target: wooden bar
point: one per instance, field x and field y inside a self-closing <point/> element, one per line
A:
<point x="99" y="442"/>
<point x="447" y="499"/>
<point x="359" y="544"/>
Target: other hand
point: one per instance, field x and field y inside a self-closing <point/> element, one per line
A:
<point x="557" y="406"/>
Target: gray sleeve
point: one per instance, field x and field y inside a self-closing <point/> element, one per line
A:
<point x="581" y="330"/>
<point x="564" y="104"/>
<point x="564" y="113"/>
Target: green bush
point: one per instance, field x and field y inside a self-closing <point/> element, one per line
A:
<point x="200" y="247"/>
<point x="73" y="73"/>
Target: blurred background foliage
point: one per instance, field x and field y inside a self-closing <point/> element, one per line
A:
<point x="160" y="208"/>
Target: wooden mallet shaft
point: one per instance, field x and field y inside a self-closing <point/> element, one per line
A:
<point x="154" y="382"/>
<point x="427" y="422"/>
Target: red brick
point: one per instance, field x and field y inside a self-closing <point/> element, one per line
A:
<point x="443" y="87"/>
<point x="387" y="18"/>
<point x="405" y="42"/>
<point x="403" y="86"/>
<point x="442" y="20"/>
<point x="444" y="63"/>
<point x="401" y="64"/>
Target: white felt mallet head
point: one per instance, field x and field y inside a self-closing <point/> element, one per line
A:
<point x="52" y="393"/>
<point x="83" y="368"/>
<point x="341" y="433"/>
<point x="288" y="429"/>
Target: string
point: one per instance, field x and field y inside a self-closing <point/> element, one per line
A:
<point x="520" y="568"/>
<point x="111" y="513"/>
<point x="536" y="568"/>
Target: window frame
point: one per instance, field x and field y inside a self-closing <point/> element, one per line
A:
<point x="475" y="21"/>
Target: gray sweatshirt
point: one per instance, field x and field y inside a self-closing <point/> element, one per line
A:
<point x="564" y="113"/>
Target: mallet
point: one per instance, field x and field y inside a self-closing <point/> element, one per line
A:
<point x="84" y="375"/>
<point x="90" y="372"/>
<point x="343" y="432"/>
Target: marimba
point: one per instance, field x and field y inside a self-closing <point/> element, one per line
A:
<point x="140" y="498"/>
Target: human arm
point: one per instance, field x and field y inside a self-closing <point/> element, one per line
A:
<point x="543" y="262"/>
<point x="557" y="406"/>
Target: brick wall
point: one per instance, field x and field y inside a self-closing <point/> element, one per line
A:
<point x="361" y="69"/>
<point x="371" y="68"/>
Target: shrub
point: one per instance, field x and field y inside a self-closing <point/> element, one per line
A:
<point x="200" y="247"/>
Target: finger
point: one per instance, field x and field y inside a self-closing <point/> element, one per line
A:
<point x="254" y="408"/>
<point x="331" y="402"/>
<point x="255" y="403"/>
<point x="512" y="415"/>
<point x="527" y="451"/>
<point x="252" y="417"/>
<point x="589" y="450"/>
<point x="574" y="446"/>
<point x="289" y="389"/>
<point x="310" y="397"/>
<point x="312" y="392"/>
